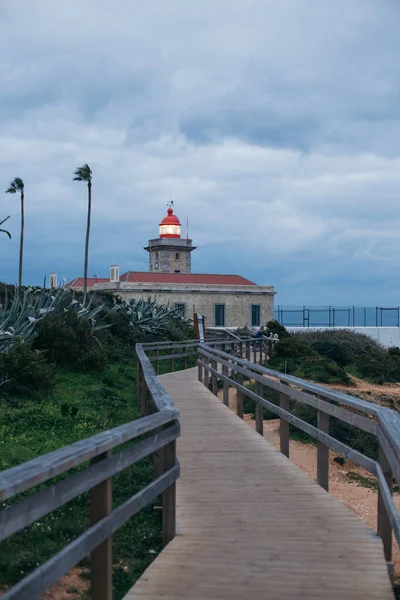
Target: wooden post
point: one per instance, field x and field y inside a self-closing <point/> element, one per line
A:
<point x="206" y="373"/>
<point x="139" y="385"/>
<point x="259" y="409"/>
<point x="239" y="396"/>
<point x="185" y="358"/>
<point x="241" y="349"/>
<point x="284" y="425"/>
<point x="200" y="372"/>
<point x="157" y="361"/>
<point x="214" y="379"/>
<point x="248" y="350"/>
<point x="323" y="452"/>
<point x="172" y="365"/>
<point x="169" y="496"/>
<point x="255" y="351"/>
<point x="260" y="359"/>
<point x="101" y="557"/>
<point x="266" y="351"/>
<point x="225" y="371"/>
<point x="384" y="526"/>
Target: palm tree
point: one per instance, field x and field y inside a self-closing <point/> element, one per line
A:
<point x="84" y="173"/>
<point x="17" y="185"/>
<point x="3" y="230"/>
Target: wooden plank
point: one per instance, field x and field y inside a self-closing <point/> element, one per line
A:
<point x="34" y="507"/>
<point x="100" y="498"/>
<point x="42" y="578"/>
<point x="171" y="357"/>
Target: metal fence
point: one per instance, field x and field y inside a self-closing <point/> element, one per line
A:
<point x="338" y="316"/>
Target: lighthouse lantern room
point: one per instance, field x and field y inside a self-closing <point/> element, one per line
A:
<point x="169" y="253"/>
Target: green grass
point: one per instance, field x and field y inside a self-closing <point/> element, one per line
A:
<point x="367" y="482"/>
<point x="80" y="406"/>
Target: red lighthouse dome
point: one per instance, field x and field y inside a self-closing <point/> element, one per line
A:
<point x="170" y="226"/>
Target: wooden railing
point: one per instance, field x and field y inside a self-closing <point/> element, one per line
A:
<point x="382" y="423"/>
<point x="155" y="434"/>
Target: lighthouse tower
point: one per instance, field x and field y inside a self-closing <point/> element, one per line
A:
<point x="169" y="253"/>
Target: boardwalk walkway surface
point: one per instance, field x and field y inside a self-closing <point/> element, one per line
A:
<point x="251" y="524"/>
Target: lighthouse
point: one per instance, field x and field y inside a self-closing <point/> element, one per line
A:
<point x="169" y="253"/>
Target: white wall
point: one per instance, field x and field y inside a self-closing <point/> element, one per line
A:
<point x="387" y="336"/>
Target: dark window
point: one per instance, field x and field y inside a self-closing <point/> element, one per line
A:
<point x="255" y="315"/>
<point x="219" y="315"/>
<point x="177" y="256"/>
<point x="180" y="308"/>
<point x="177" y="271"/>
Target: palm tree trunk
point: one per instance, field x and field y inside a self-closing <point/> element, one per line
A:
<point x="21" y="242"/>
<point x="87" y="241"/>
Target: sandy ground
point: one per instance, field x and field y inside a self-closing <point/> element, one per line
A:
<point x="70" y="587"/>
<point x="360" y="500"/>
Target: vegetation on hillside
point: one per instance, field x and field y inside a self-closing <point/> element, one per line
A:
<point x="332" y="356"/>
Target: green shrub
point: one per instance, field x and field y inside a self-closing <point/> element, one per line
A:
<point x="25" y="371"/>
<point x="275" y="327"/>
<point x="333" y="351"/>
<point x="352" y="345"/>
<point x="68" y="342"/>
<point x="379" y="366"/>
<point x="293" y="347"/>
<point x="394" y="351"/>
<point x="320" y="369"/>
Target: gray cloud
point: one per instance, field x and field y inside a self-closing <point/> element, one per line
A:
<point x="273" y="126"/>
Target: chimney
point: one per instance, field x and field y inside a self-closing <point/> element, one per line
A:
<point x="114" y="274"/>
<point x="53" y="280"/>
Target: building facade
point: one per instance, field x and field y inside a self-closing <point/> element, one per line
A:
<point x="224" y="300"/>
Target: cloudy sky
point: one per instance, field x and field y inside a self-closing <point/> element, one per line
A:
<point x="273" y="125"/>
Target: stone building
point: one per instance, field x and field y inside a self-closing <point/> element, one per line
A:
<point x="224" y="300"/>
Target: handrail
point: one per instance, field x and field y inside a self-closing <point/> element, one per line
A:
<point x="379" y="421"/>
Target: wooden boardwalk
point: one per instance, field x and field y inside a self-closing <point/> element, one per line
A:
<point x="250" y="523"/>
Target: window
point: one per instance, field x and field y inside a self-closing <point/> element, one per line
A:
<point x="180" y="308"/>
<point x="219" y="313"/>
<point x="177" y="271"/>
<point x="177" y="256"/>
<point x="255" y="315"/>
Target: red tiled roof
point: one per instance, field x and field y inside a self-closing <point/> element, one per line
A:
<point x="78" y="281"/>
<point x="145" y="277"/>
<point x="194" y="278"/>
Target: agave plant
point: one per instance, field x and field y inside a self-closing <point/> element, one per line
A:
<point x="20" y="316"/>
<point x="149" y="318"/>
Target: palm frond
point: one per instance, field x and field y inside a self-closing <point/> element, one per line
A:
<point x="83" y="173"/>
<point x="17" y="185"/>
